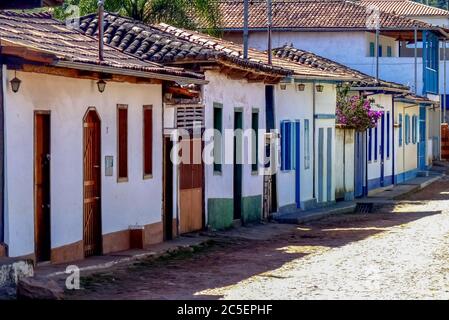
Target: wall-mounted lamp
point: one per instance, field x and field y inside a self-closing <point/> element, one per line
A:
<point x="101" y="84"/>
<point x="301" y="87"/>
<point x="15" y="83"/>
<point x="283" y="86"/>
<point x="319" y="88"/>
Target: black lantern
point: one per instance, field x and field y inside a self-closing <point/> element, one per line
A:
<point x="15" y="83"/>
<point x="319" y="88"/>
<point x="101" y="85"/>
<point x="301" y="87"/>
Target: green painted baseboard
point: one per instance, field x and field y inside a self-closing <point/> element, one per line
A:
<point x="252" y="209"/>
<point x="220" y="213"/>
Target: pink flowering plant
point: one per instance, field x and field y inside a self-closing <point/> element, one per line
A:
<point x="356" y="112"/>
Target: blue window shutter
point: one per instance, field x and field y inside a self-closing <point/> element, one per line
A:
<point x="388" y="134"/>
<point x="380" y="51"/>
<point x="286" y="145"/>
<point x="400" y="130"/>
<point x="376" y="147"/>
<point x="370" y="144"/>
<point x="283" y="148"/>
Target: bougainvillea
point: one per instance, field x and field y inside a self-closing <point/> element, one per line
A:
<point x="357" y="112"/>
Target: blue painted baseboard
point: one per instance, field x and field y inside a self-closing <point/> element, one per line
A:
<point x="375" y="183"/>
<point x="402" y="177"/>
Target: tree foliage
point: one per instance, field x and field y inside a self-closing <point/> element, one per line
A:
<point x="175" y="12"/>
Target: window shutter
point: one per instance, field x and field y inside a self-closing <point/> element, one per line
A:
<point x="400" y="130"/>
<point x="371" y="49"/>
<point x="388" y="134"/>
<point x="148" y="140"/>
<point x="122" y="113"/>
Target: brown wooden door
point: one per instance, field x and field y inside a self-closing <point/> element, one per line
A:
<point x="191" y="188"/>
<point x="42" y="186"/>
<point x="92" y="184"/>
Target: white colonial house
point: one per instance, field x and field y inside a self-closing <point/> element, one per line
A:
<point x="82" y="152"/>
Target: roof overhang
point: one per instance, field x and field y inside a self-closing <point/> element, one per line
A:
<point x="380" y="89"/>
<point x="127" y="72"/>
<point x="407" y="34"/>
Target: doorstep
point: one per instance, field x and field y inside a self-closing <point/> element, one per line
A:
<point x="303" y="216"/>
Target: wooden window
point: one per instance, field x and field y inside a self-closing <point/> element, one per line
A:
<point x="122" y="141"/>
<point x="255" y="144"/>
<point x="407" y="129"/>
<point x="400" y="130"/>
<point x="147" y="142"/>
<point x="218" y="132"/>
<point x="376" y="147"/>
<point x="414" y="129"/>
<point x="371" y="49"/>
<point x="306" y="144"/>
<point x="289" y="143"/>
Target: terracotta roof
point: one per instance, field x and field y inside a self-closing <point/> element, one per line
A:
<point x="309" y="14"/>
<point x="233" y="49"/>
<point x="40" y="32"/>
<point x="405" y="7"/>
<point x="307" y="58"/>
<point x="153" y="43"/>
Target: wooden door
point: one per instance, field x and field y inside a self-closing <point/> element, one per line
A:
<point x="42" y="186"/>
<point x="92" y="184"/>
<point x="191" y="187"/>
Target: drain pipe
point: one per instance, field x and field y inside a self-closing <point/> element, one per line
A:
<point x="101" y="30"/>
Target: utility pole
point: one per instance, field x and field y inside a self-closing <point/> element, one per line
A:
<point x="245" y="28"/>
<point x="270" y="22"/>
<point x="100" y="30"/>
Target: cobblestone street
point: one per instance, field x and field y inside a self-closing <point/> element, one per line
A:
<point x="400" y="251"/>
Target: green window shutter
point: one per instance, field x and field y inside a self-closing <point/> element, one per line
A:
<point x="371" y="49"/>
<point x="218" y="137"/>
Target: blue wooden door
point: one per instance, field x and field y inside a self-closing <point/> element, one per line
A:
<point x="382" y="151"/>
<point x="422" y="139"/>
<point x="359" y="165"/>
<point x="321" y="165"/>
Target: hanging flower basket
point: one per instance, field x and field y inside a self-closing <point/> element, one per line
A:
<point x="357" y="112"/>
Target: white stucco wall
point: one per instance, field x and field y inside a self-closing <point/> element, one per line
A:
<point x="232" y="94"/>
<point x="334" y="45"/>
<point x="137" y="201"/>
<point x="292" y="105"/>
<point x="407" y="154"/>
<point x="374" y="166"/>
